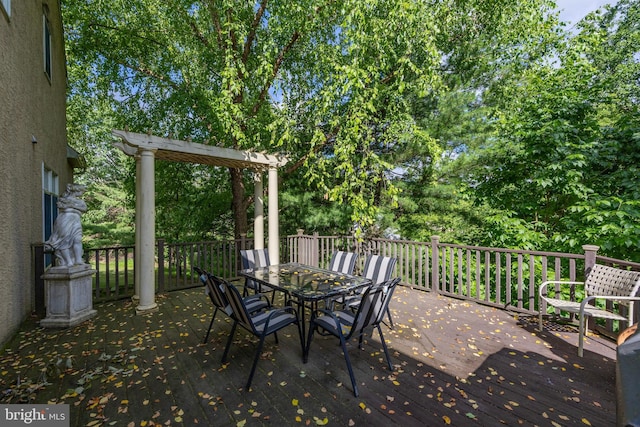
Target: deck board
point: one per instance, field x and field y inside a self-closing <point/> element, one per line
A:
<point x="455" y="362"/>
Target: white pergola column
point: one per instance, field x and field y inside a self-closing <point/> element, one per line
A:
<point x="274" y="233"/>
<point x="136" y="256"/>
<point x="258" y="218"/>
<point x="145" y="232"/>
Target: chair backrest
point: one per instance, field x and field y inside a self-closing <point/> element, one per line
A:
<point x="252" y="258"/>
<point x="609" y="281"/>
<point x="238" y="309"/>
<point x="343" y="262"/>
<point x="213" y="292"/>
<point x="389" y="287"/>
<point x="217" y="293"/>
<point x="379" y="268"/>
<point x="214" y="289"/>
<point x="202" y="274"/>
<point x="205" y="279"/>
<point x="373" y="306"/>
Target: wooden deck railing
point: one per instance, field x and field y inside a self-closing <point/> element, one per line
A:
<point x="504" y="278"/>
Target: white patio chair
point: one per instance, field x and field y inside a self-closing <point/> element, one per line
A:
<point x="602" y="283"/>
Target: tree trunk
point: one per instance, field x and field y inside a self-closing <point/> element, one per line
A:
<point x="239" y="203"/>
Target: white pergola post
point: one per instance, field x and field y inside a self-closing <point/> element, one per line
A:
<point x="258" y="219"/>
<point x="145" y="233"/>
<point x="136" y="256"/>
<point x="274" y="233"/>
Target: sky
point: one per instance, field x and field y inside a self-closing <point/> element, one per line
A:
<point x="574" y="10"/>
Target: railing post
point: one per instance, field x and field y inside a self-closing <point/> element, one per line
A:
<point x="589" y="258"/>
<point x="160" y="249"/>
<point x="243" y="241"/>
<point x="435" y="263"/>
<point x="300" y="251"/>
<point x="589" y="262"/>
<point x="315" y="251"/>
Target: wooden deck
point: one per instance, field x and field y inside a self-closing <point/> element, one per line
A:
<point x="455" y="363"/>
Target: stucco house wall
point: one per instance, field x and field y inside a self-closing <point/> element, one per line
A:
<point x="32" y="138"/>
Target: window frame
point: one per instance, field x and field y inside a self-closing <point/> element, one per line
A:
<point x="46" y="46"/>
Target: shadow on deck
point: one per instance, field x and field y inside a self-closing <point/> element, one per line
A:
<point x="455" y="362"/>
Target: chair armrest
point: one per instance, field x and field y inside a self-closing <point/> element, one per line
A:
<point x="325" y="311"/>
<point x="258" y="296"/>
<point x="588" y="299"/>
<point x="543" y="286"/>
<point x="328" y="313"/>
<point x="609" y="298"/>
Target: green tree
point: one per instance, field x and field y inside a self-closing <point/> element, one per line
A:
<point x="563" y="162"/>
<point x="315" y="79"/>
<point x="485" y="49"/>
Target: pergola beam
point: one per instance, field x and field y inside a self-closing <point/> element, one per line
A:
<point x="191" y="152"/>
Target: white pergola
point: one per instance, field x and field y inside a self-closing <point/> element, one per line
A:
<point x="146" y="149"/>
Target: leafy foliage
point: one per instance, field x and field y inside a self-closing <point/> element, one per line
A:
<point x="481" y="121"/>
<point x="564" y="156"/>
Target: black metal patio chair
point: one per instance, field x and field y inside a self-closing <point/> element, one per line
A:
<point x="346" y="325"/>
<point x="379" y="269"/>
<point x="215" y="290"/>
<point x="255" y="258"/>
<point x="260" y="324"/>
<point x="343" y="262"/>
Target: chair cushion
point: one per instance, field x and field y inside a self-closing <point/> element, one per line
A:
<point x="278" y="321"/>
<point x="255" y="304"/>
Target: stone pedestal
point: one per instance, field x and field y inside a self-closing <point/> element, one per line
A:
<point x="69" y="296"/>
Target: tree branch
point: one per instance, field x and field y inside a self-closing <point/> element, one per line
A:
<point x="109" y="27"/>
<point x="232" y="34"/>
<point x="198" y="34"/>
<point x="276" y="68"/>
<point x="252" y="34"/>
<point x="394" y="71"/>
<point x="148" y="72"/>
<point x="304" y="158"/>
<point x="216" y="23"/>
<point x="317" y="148"/>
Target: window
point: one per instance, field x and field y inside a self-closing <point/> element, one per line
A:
<point x="50" y="193"/>
<point x="46" y="31"/>
<point x="6" y="5"/>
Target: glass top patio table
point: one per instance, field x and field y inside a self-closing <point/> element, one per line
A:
<point x="304" y="282"/>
